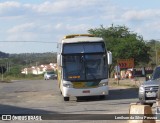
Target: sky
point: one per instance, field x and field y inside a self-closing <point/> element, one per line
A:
<point x="40" y="24"/>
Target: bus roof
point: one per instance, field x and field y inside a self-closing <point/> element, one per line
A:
<point x="77" y="35"/>
<point x="81" y="38"/>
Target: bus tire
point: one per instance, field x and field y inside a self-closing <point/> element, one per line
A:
<point x="66" y="98"/>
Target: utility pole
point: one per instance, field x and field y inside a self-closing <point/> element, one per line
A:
<point x="7" y="66"/>
<point x="2" y="73"/>
<point x="157" y="52"/>
<point x="156" y="55"/>
<point x="37" y="68"/>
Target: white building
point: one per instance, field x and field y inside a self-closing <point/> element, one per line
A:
<point x="40" y="69"/>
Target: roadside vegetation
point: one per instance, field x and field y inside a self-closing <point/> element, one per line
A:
<point x="126" y="44"/>
<point x="125" y="83"/>
<point x="8" y="77"/>
<point x="14" y="63"/>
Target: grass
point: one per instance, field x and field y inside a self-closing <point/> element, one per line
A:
<point x="9" y="78"/>
<point x="5" y="81"/>
<point x="123" y="83"/>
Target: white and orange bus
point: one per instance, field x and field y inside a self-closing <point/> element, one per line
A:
<point x="82" y="61"/>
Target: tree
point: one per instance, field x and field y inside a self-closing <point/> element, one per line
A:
<point x="3" y="55"/>
<point x="123" y="44"/>
<point x="154" y="52"/>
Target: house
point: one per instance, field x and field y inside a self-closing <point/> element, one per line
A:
<point x="36" y="70"/>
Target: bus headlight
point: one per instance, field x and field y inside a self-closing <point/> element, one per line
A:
<point x="68" y="85"/>
<point x="103" y="84"/>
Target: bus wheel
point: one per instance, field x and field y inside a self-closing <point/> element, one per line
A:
<point x="66" y="98"/>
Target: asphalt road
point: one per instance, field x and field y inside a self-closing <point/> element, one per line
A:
<point x="43" y="97"/>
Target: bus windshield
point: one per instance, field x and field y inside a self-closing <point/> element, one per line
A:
<point x="85" y="67"/>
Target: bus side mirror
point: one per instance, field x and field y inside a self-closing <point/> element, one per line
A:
<point x="109" y="55"/>
<point x="59" y="60"/>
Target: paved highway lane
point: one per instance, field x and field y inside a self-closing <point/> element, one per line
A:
<point x="43" y="97"/>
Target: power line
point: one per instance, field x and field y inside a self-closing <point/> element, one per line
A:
<point x="28" y="41"/>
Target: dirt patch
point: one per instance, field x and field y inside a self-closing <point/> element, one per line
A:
<point x="35" y="95"/>
<point x="5" y="81"/>
<point x="126" y="83"/>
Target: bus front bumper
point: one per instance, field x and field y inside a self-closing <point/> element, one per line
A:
<point x="68" y="92"/>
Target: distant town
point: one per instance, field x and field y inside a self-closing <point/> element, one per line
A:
<point x="36" y="70"/>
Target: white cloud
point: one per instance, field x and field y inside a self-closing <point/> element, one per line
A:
<point x="23" y="36"/>
<point x="59" y="26"/>
<point x="72" y="28"/>
<point x="22" y="28"/>
<point x="149" y="30"/>
<point x="8" y="4"/>
<point x="22" y="32"/>
<point x="77" y="28"/>
<point x="141" y="14"/>
<point x="64" y="6"/>
<point x="153" y="26"/>
<point x="152" y="30"/>
<point x="101" y="8"/>
<point x="52" y="19"/>
<point x="51" y="7"/>
<point x="7" y="8"/>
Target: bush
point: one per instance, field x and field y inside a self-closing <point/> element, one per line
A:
<point x="9" y="76"/>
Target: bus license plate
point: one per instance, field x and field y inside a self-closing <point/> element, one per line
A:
<point x="86" y="91"/>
